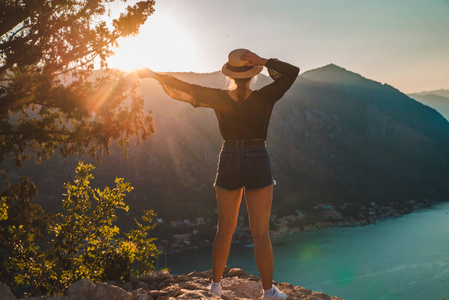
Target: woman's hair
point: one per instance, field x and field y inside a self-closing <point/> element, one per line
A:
<point x="239" y="84"/>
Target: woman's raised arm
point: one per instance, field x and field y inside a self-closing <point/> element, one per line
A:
<point x="252" y="59"/>
<point x="196" y="95"/>
<point x="144" y="73"/>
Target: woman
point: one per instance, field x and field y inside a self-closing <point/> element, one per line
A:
<point x="244" y="166"/>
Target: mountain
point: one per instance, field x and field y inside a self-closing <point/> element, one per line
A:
<point x="384" y="98"/>
<point x="336" y="138"/>
<point x="440" y="92"/>
<point x="438" y="100"/>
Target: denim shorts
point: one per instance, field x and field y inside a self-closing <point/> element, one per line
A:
<point x="247" y="167"/>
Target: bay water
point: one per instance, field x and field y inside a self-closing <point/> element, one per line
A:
<point x="404" y="258"/>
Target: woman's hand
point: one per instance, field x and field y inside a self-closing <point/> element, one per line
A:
<point x="252" y="59"/>
<point x="144" y="73"/>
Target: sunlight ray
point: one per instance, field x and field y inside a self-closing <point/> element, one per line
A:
<point x="162" y="45"/>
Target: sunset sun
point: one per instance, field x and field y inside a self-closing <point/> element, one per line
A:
<point x="161" y="45"/>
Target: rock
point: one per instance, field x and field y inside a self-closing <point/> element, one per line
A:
<point x="127" y="286"/>
<point x="236" y="272"/>
<point x="113" y="282"/>
<point x="141" y="294"/>
<point x="202" y="281"/>
<point x="162" y="284"/>
<point x="297" y="292"/>
<point x="227" y="297"/>
<point x="134" y="280"/>
<point x="5" y="292"/>
<point x="181" y="278"/>
<point x="155" y="277"/>
<point x="45" y="298"/>
<point x="198" y="295"/>
<point x="205" y="274"/>
<point x="174" y="291"/>
<point x="156" y="294"/>
<point x="192" y="274"/>
<point x="142" y="297"/>
<point x="143" y="285"/>
<point x="187" y="286"/>
<point x="110" y="292"/>
<point x="81" y="289"/>
<point x="226" y="271"/>
<point x="252" y="277"/>
<point x="236" y="285"/>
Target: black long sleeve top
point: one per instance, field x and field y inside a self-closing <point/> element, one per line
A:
<point x="246" y="119"/>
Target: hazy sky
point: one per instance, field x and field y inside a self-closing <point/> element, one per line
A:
<point x="404" y="43"/>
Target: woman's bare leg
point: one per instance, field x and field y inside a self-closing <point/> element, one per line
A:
<point x="258" y="203"/>
<point x="228" y="203"/>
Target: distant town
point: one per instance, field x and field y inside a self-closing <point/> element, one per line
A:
<point x="188" y="234"/>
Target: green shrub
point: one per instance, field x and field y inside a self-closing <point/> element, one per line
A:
<point x="82" y="242"/>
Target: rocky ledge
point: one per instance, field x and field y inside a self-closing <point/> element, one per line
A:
<point x="237" y="284"/>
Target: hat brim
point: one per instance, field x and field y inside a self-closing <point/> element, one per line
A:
<point x="240" y="75"/>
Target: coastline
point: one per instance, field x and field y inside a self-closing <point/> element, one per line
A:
<point x="401" y="255"/>
<point x="283" y="225"/>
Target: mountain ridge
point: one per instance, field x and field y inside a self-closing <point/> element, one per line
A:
<point x="437" y="101"/>
<point x="331" y="143"/>
<point x="439" y="92"/>
<point x="381" y="96"/>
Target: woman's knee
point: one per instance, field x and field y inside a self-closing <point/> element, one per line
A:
<point x="226" y="229"/>
<point x="260" y="231"/>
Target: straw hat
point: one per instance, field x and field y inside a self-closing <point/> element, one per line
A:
<point x="235" y="67"/>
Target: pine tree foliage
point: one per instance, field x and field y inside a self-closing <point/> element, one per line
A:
<point x="49" y="100"/>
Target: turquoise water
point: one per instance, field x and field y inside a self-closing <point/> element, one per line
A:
<point x="397" y="259"/>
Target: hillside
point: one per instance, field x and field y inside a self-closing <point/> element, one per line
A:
<point x="438" y="100"/>
<point x="440" y="92"/>
<point x="336" y="138"/>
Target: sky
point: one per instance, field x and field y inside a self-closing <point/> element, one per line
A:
<point x="404" y="43"/>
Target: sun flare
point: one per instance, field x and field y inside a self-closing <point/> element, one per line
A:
<point x="161" y="45"/>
